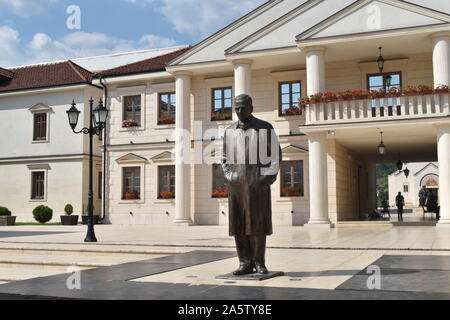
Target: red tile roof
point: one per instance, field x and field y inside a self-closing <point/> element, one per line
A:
<point x="45" y="75"/>
<point x="149" y="65"/>
<point x="6" y="74"/>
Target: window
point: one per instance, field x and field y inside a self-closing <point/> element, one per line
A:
<point x="406" y="188"/>
<point x="222" y="104"/>
<point x="132" y="111"/>
<point x="37" y="185"/>
<point x="289" y="93"/>
<point x="131" y="183"/>
<point x="219" y="188"/>
<point x="376" y="82"/>
<point x="292" y="179"/>
<point x="166" y="179"/>
<point x="40" y="127"/>
<point x="167" y="108"/>
<point x="100" y="185"/>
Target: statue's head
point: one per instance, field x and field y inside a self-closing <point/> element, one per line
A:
<point x="243" y="106"/>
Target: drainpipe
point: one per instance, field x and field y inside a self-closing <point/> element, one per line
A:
<point x="105" y="143"/>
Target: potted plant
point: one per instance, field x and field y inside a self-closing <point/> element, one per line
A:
<point x="220" y="193"/>
<point x="68" y="219"/>
<point x="424" y="89"/>
<point x="166" y="120"/>
<point x="42" y="214"/>
<point x="441" y="89"/>
<point x="84" y="216"/>
<point x="6" y="219"/>
<point x="345" y="95"/>
<point x="316" y="98"/>
<point x="393" y="92"/>
<point x="292" y="111"/>
<point x="130" y="123"/>
<point x="218" y="116"/>
<point x="410" y="91"/>
<point x="304" y="102"/>
<point x="378" y="94"/>
<point x="130" y="195"/>
<point x="167" y="195"/>
<point x="329" y="97"/>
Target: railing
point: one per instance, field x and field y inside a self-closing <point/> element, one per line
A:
<point x="379" y="109"/>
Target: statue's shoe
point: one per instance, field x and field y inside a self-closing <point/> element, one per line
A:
<point x="244" y="269"/>
<point x="261" y="269"/>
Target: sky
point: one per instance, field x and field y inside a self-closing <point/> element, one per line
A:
<point x="34" y="31"/>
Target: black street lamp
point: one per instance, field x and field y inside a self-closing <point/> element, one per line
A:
<point x="387" y="79"/>
<point x="97" y="121"/>
<point x="381" y="146"/>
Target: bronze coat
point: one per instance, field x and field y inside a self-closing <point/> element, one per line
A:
<point x="250" y="205"/>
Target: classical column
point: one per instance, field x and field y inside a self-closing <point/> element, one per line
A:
<point x="441" y="58"/>
<point x="183" y="148"/>
<point x="318" y="182"/>
<point x="443" y="138"/>
<point x="372" y="186"/>
<point x="242" y="79"/>
<point x="315" y="69"/>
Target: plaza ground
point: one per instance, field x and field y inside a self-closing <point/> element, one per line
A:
<point x="183" y="262"/>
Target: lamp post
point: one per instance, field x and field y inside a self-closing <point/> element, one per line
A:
<point x="381" y="146"/>
<point x="97" y="121"/>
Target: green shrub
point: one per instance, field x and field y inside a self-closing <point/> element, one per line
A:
<point x="42" y="214"/>
<point x="4" y="212"/>
<point x="68" y="209"/>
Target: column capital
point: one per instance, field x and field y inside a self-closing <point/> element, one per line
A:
<point x="242" y="62"/>
<point x="313" y="49"/>
<point x="182" y="74"/>
<point x="440" y="35"/>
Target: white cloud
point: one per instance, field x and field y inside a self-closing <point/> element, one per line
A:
<point x="200" y="18"/>
<point x="26" y="8"/>
<point x="43" y="48"/>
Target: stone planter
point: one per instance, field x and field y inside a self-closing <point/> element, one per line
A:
<point x="69" y="220"/>
<point x="84" y="219"/>
<point x="7" y="221"/>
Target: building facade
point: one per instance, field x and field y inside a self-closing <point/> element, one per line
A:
<point x="421" y="174"/>
<point x="278" y="53"/>
<point x="42" y="162"/>
<point x="326" y="50"/>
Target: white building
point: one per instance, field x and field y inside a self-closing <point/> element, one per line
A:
<point x="421" y="174"/>
<point x="281" y="51"/>
<point x="277" y="53"/>
<point x="42" y="162"/>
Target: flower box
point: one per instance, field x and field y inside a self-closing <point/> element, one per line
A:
<point x="217" y="116"/>
<point x="441" y="91"/>
<point x="290" y="192"/>
<point x="220" y="193"/>
<point x="167" y="195"/>
<point x="166" y="120"/>
<point x="292" y="111"/>
<point x="130" y="195"/>
<point x="130" y="123"/>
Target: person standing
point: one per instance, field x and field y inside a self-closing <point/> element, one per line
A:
<point x="400" y="203"/>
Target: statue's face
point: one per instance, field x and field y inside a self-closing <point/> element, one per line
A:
<point x="243" y="109"/>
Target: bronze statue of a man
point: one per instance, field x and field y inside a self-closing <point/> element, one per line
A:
<point x="251" y="162"/>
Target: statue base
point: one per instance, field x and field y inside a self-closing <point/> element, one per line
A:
<point x="251" y="277"/>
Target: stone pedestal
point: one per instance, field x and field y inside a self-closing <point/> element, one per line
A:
<point x="251" y="277"/>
